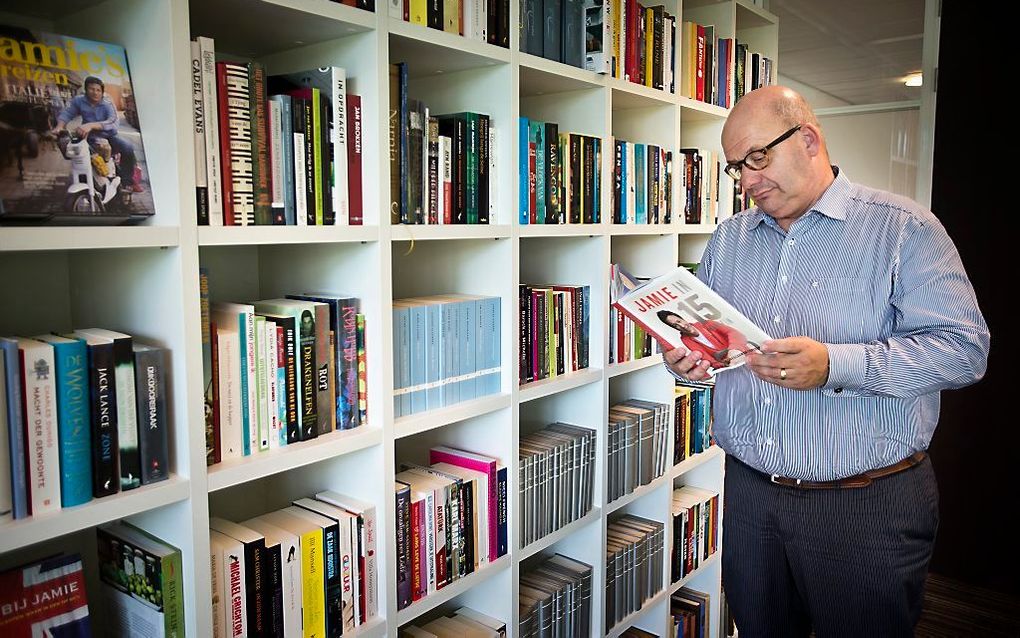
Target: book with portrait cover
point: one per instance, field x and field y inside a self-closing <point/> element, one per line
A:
<point x="45" y="598"/>
<point x="70" y="135"/>
<point x="678" y="309"/>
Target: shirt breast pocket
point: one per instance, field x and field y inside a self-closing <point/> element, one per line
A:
<point x="841" y="309"/>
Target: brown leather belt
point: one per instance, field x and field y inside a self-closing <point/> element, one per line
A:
<point x="860" y="480"/>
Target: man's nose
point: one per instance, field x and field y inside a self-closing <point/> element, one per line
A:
<point x="749" y="178"/>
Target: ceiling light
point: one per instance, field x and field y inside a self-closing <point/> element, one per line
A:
<point x="914" y="79"/>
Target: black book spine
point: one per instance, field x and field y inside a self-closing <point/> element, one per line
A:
<point x="653" y="184"/>
<point x="334" y="581"/>
<point x="502" y="533"/>
<point x="588" y="158"/>
<point x="273" y="580"/>
<point x="543" y="337"/>
<point x="103" y="393"/>
<point x="309" y="400"/>
<point x="453" y="126"/>
<point x="311" y="188"/>
<point x="575" y="178"/>
<point x="403" y="516"/>
<point x="434" y="14"/>
<point x="151" y="399"/>
<point x="560" y="332"/>
<point x="290" y="368"/>
<point x="467" y="527"/>
<point x="552" y="15"/>
<point x="130" y="459"/>
<point x="433" y="173"/>
<point x="255" y="586"/>
<point x="657" y="25"/>
<point x="492" y="21"/>
<point x="524" y="360"/>
<point x="326" y="143"/>
<point x="552" y="173"/>
<point x="483" y="169"/>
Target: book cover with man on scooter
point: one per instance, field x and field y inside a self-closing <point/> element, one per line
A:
<point x="70" y="140"/>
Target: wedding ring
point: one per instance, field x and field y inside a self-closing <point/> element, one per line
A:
<point x="782" y="374"/>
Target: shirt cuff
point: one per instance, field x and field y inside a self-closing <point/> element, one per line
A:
<point x="675" y="375"/>
<point x="847" y="366"/>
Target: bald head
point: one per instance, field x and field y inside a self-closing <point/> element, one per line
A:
<point x="797" y="169"/>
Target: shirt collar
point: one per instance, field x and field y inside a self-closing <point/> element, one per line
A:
<point x="832" y="203"/>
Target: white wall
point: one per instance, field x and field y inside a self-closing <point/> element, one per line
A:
<point x="876" y="149"/>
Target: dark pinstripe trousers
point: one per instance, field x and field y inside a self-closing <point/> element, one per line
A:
<point x="841" y="562"/>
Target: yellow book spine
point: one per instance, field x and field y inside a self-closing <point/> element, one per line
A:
<point x="313" y="586"/>
<point x="649" y="38"/>
<point x="419" y="12"/>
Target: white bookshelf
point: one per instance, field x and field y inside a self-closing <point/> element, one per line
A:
<point x="144" y="280"/>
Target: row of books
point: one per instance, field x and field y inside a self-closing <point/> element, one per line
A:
<point x="642" y="184"/>
<point x="561" y="175"/>
<point x="692" y="421"/>
<point x="634" y="553"/>
<point x="442" y="167"/>
<point x="631" y="41"/>
<point x="274" y="150"/>
<point x="695" y="517"/>
<point x="479" y="20"/>
<point x="142" y="582"/>
<point x="638" y="445"/>
<point x="628" y="341"/>
<point x="451" y="520"/>
<point x="554" y="322"/>
<point x="82" y="416"/>
<point x="305" y="570"/>
<point x="706" y="190"/>
<point x="141" y="588"/>
<point x="446" y="349"/>
<point x="689" y="611"/>
<point x="462" y="622"/>
<point x="281" y="371"/>
<point x="555" y="599"/>
<point x="557" y="475"/>
<point x="720" y="71"/>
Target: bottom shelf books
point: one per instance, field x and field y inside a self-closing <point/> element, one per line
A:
<point x="690" y="613"/>
<point x="451" y="520"/>
<point x="463" y="622"/>
<point x="634" y="547"/>
<point x="695" y="529"/>
<point x="555" y="599"/>
<point x="45" y="598"/>
<point x="306" y="568"/>
<point x="557" y="468"/>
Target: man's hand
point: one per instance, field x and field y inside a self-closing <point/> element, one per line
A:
<point x="690" y="365"/>
<point x="798" y="363"/>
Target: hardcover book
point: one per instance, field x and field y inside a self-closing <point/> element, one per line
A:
<point x="69" y="127"/>
<point x="45" y="598"/>
<point x="678" y="309"/>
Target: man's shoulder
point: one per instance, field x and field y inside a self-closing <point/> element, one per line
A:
<point x="890" y="207"/>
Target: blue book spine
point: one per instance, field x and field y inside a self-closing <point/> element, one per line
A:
<point x="401" y="359"/>
<point x="16" y="437"/>
<point x="418" y="363"/>
<point x="522" y="160"/>
<point x="73" y="421"/>
<point x="447" y="369"/>
<point x="244" y="337"/>
<point x="433" y="354"/>
<point x="536" y="134"/>
<point x="623" y="183"/>
<point x="481" y="340"/>
<point x="468" y="344"/>
<point x="489" y="333"/>
<point x="453" y="337"/>
<point x="641" y="184"/>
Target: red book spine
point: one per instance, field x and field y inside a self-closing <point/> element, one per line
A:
<point x="416" y="549"/>
<point x="354" y="151"/>
<point x="225" y="177"/>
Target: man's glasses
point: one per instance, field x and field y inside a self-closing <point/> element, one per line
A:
<point x="757" y="159"/>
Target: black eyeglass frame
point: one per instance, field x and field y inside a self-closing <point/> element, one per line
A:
<point x="733" y="169"/>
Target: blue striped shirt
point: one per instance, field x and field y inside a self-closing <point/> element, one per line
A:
<point x="875" y="277"/>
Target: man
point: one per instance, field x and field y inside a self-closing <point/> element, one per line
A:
<point x="99" y="120"/>
<point x="831" y="505"/>
<point x="717" y="342"/>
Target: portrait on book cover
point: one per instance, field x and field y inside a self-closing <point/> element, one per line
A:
<point x="70" y="137"/>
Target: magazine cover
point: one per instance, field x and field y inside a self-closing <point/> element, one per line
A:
<point x="70" y="141"/>
<point x="679" y="310"/>
<point x="45" y="599"/>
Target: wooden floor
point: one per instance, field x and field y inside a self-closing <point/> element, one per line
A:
<point x="953" y="609"/>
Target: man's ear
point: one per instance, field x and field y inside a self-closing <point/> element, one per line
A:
<point x="812" y="136"/>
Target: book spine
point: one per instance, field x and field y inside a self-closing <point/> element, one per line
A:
<point x="40" y="413"/>
<point x="356" y="212"/>
<point x="71" y="361"/>
<point x="402" y="513"/>
<point x="236" y="145"/>
<point x="325" y="378"/>
<point x="501" y="518"/>
<point x="261" y="429"/>
<point x="211" y="139"/>
<point x="198" y="119"/>
<point x="15" y="434"/>
<point x="235" y="583"/>
<point x="313" y="585"/>
<point x="261" y="170"/>
<point x="210" y="378"/>
<point x="484" y="176"/>
<point x="308" y="395"/>
<point x="341" y="142"/>
<point x="272" y="388"/>
<point x="103" y="394"/>
<point x="277" y="163"/>
<point x="300" y="135"/>
<point x="523" y="196"/>
<point x="150" y="376"/>
<point x="291" y="377"/>
<point x="228" y="347"/>
<point x="362" y="372"/>
<point x="313" y="177"/>
<point x="433" y="171"/>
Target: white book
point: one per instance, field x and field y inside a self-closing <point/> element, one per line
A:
<point x="366" y="512"/>
<point x="260" y="435"/>
<point x="40" y="407"/>
<point x="480" y="503"/>
<point x="300" y="186"/>
<point x="425" y="190"/>
<point x="474" y="19"/>
<point x="243" y="316"/>
<point x="396" y="9"/>
<point x="276" y="158"/>
<point x="274" y="390"/>
<point x="290" y="570"/>
<point x="199" y="117"/>
<point x="6" y="504"/>
<point x="447" y="172"/>
<point x="235" y="607"/>
<point x="341" y="176"/>
<point x="214" y="170"/>
<point x="231" y="406"/>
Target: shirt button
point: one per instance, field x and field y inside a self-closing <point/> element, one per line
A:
<point x="792" y="242"/>
<point x="814" y="284"/>
<point x="783" y="278"/>
<point x="766" y="401"/>
<point x="776" y="319"/>
<point x="768" y="441"/>
<point x="838" y="390"/>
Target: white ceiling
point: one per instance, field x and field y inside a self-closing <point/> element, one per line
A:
<point x="856" y="51"/>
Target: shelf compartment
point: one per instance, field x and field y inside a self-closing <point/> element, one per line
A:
<point x="540" y="76"/>
<point x="35" y="529"/>
<point x="458" y="587"/>
<point x="261" y="464"/>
